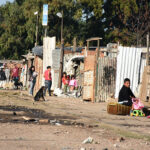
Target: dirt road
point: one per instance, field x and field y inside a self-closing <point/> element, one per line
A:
<point x="65" y="124"/>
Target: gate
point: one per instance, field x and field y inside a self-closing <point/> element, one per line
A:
<point x="106" y="78"/>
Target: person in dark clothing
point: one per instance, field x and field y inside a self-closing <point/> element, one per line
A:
<point x="32" y="79"/>
<point x="125" y="94"/>
<point x="2" y="77"/>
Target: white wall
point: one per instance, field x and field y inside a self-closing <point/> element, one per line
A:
<point x="51" y="57"/>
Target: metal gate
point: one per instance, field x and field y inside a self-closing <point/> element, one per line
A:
<point x="106" y="78"/>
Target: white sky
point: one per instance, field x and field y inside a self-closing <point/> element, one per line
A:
<point x="4" y="1"/>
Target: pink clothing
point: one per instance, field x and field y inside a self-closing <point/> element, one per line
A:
<point x="15" y="72"/>
<point x="137" y="105"/>
<point x="73" y="82"/>
<point x="47" y="75"/>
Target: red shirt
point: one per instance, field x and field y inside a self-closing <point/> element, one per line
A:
<point x="15" y="72"/>
<point x="47" y="75"/>
<point x="64" y="80"/>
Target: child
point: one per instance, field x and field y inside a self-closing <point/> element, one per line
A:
<point x="137" y="105"/>
<point x="64" y="82"/>
<point x="137" y="108"/>
<point x="73" y="83"/>
<point x="125" y="94"/>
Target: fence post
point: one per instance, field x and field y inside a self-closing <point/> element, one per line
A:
<point x="147" y="56"/>
<point x="97" y="64"/>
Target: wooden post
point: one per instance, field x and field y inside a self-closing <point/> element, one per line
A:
<point x="147" y="56"/>
<point x="74" y="44"/>
<point x="148" y="69"/>
<point x="96" y="77"/>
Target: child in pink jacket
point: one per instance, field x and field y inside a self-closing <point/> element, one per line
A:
<point x="73" y="83"/>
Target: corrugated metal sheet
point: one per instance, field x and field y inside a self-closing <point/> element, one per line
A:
<point x="128" y="66"/>
<point x="106" y="78"/>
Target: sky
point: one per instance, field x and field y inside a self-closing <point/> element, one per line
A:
<point x="4" y="1"/>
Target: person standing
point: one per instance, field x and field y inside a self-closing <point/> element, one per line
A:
<point x="2" y="77"/>
<point x="48" y="80"/>
<point x="32" y="79"/>
<point x="64" y="82"/>
<point x="15" y="74"/>
<point x="7" y="73"/>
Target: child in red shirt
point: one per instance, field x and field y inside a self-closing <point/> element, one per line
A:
<point x="64" y="82"/>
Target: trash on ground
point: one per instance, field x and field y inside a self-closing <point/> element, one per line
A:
<point x="29" y="119"/>
<point x="43" y="121"/>
<point x="57" y="124"/>
<point x="88" y="140"/>
<point x="121" y="139"/>
<point x="115" y="145"/>
<point x="58" y="92"/>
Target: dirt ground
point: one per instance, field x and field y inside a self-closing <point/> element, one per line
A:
<point x="64" y="123"/>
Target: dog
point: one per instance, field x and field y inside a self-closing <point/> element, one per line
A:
<point x="18" y="85"/>
<point x="40" y="94"/>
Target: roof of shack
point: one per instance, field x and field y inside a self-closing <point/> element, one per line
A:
<point x="38" y="50"/>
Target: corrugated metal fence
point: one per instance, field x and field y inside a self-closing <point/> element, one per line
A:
<point x="128" y="66"/>
<point x="106" y="78"/>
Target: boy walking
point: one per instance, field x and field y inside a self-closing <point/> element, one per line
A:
<point x="48" y="80"/>
<point x="125" y="94"/>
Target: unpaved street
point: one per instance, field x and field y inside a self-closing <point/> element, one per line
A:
<point x="65" y="124"/>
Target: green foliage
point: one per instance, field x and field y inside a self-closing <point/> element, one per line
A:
<point x="127" y="21"/>
<point x="113" y="20"/>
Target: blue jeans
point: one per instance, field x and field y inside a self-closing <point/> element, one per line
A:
<point x="48" y="84"/>
<point x="32" y="84"/>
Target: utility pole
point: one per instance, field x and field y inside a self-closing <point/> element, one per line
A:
<point x="46" y="31"/>
<point x="37" y="23"/>
<point x="61" y="15"/>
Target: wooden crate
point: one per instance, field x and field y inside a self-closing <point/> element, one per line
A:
<point x="118" y="109"/>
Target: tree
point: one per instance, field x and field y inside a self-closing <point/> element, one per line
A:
<point x="126" y="20"/>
